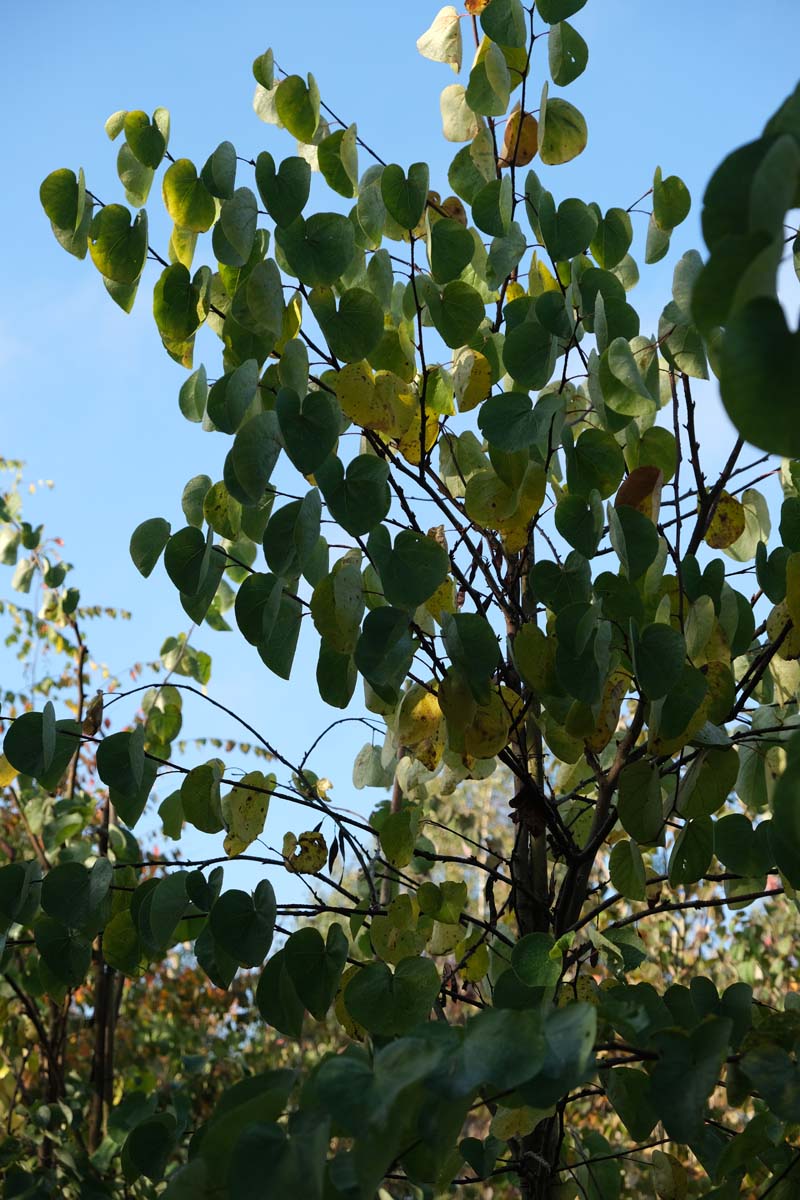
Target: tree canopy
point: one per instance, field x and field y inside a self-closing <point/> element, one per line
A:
<point x="452" y="460"/>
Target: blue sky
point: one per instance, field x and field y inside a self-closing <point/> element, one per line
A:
<point x="89" y="397"/>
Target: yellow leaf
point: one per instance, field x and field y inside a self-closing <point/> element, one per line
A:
<point x="408" y="443"/>
<point x="443" y="600"/>
<point x="727" y="524"/>
<point x="790" y="646"/>
<point x="487" y="733"/>
<point x="516" y="1122"/>
<point x="514" y="291"/>
<point x="521" y="140"/>
<point x="7" y="773"/>
<point x="244" y="811"/>
<point x="306" y="854"/>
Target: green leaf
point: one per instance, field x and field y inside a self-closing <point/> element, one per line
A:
<point x="562" y="131"/>
<point x="277" y="1000"/>
<point x="72" y="894"/>
<point x="639" y="804"/>
<point x="634" y="537"/>
<point x="612" y="239"/>
<point x="235" y="231"/>
<point x="671" y="201"/>
<point x="354" y="329"/>
<point x="309" y="429"/>
<point x="136" y="179"/>
<point x="385" y="650"/>
<point x="626" y="868"/>
<point x="255" y="451"/>
<point x="219" y="172"/>
<point x="63" y="197"/>
<point x="686" y="1074"/>
<point x="318" y="250"/>
<point x="411" y="570"/>
<point x="315" y="966"/>
<point x="264" y="69"/>
<point x="388" y="1004"/>
<point x="529" y="354"/>
<point x="785" y="814"/>
<point x="244" y="925"/>
<point x="568" y="55"/>
<point x="298" y="106"/>
<point x="285" y="191"/>
<point x="567" y="231"/>
<point x="558" y="10"/>
<point x="23" y="746"/>
<point x="451" y="249"/>
<point x="508" y="421"/>
<point x="145" y="138"/>
<point x="597" y="463"/>
<point x="337" y="156"/>
<point x="489" y="84"/>
<point x="492" y="205"/>
<point x="760" y="366"/>
<point x="200" y="797"/>
<point x="580" y="522"/>
<point x="117" y="246"/>
<point x="456" y="312"/>
<point x="67" y="953"/>
<point x="692" y="853"/>
<point x="534" y="961"/>
<point x="147" y="543"/>
<point x="176" y="303"/>
<point x="358" y="497"/>
<point x="186" y="198"/>
<point x="472" y="647"/>
<point x="659" y="654"/>
<point x="404" y="195"/>
<point x="148" y="1147"/>
<point x="628" y="1092"/>
<point x="186" y="559"/>
<point x="504" y="22"/>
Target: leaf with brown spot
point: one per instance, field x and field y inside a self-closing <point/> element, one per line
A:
<point x="642" y="491"/>
<point x="727" y="524"/>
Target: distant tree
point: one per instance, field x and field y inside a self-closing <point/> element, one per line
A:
<point x="452" y="393"/>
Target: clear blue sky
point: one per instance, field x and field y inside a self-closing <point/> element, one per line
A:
<point x="89" y="397"/>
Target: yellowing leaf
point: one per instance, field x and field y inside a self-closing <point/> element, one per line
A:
<point x="793" y="588"/>
<point x="451" y="206"/>
<point x="244" y="811"/>
<point x="669" y="1177"/>
<point x="521" y="140"/>
<point x="727" y="524"/>
<point x="614" y="691"/>
<point x="352" y="1028"/>
<point x="442" y="41"/>
<point x="514" y="291"/>
<point x="541" y="278"/>
<point x="472" y="379"/>
<point x="306" y="854"/>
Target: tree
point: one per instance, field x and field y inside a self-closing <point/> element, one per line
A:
<point x="522" y="595"/>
